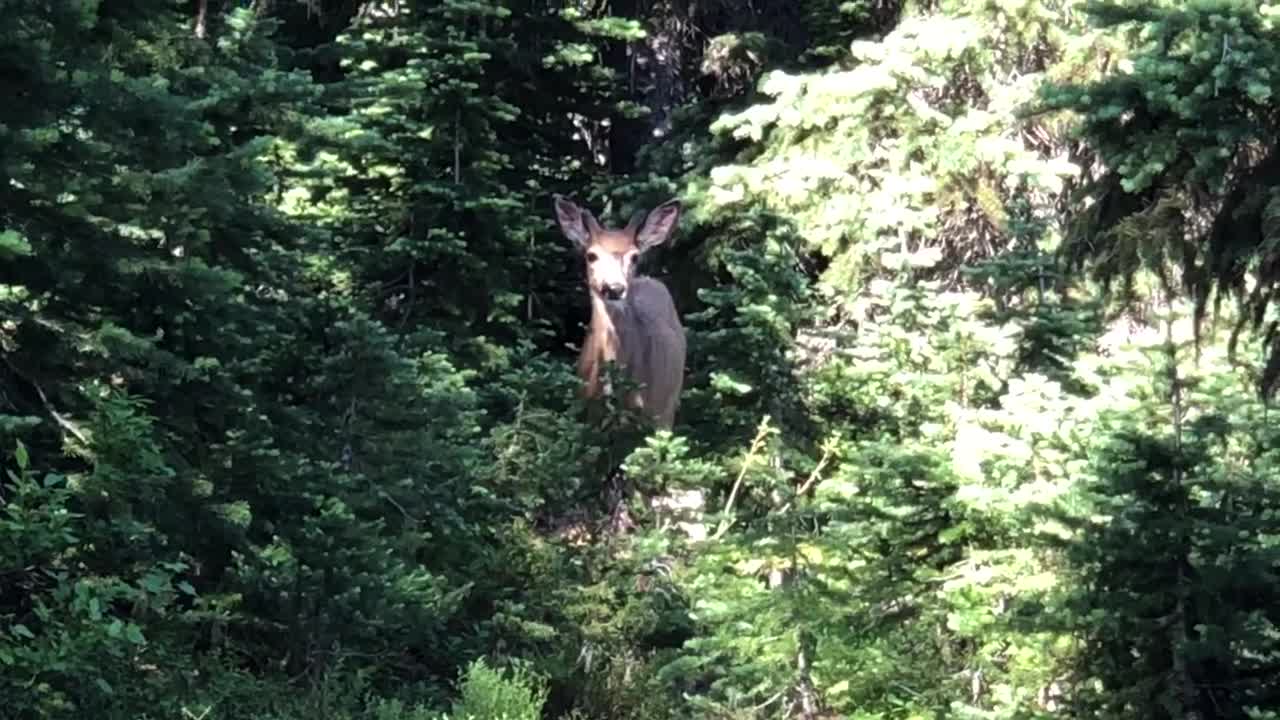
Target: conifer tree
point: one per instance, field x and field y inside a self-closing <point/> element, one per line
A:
<point x="438" y="193"/>
<point x="1184" y="127"/>
<point x="230" y="426"/>
<point x="1174" y="598"/>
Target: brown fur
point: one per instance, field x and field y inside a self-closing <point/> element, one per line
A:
<point x="641" y="332"/>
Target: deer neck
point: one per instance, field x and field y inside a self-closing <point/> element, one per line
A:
<point x="609" y="331"/>
<point x="607" y="323"/>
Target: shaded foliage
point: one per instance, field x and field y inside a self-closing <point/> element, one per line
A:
<point x="287" y="336"/>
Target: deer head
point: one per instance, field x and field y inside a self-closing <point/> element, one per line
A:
<point x="612" y="255"/>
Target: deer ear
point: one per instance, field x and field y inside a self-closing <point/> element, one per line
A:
<point x="572" y="221"/>
<point x="637" y="217"/>
<point x="658" y="226"/>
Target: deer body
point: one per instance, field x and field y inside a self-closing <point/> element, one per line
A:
<point x="644" y="337"/>
<point x="634" y="321"/>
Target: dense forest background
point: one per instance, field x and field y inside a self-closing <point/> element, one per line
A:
<point x="979" y="305"/>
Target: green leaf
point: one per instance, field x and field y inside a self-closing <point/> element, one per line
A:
<point x="729" y="386"/>
<point x="154" y="583"/>
<point x="13" y="245"/>
<point x="20" y="454"/>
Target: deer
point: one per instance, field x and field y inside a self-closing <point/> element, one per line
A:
<point x="634" y="322"/>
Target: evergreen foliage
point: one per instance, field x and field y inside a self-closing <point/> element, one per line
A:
<point x="287" y="402"/>
<point x="1184" y="129"/>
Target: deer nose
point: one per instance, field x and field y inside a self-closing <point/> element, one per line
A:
<point x="614" y="291"/>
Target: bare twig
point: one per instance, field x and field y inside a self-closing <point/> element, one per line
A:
<point x="727" y="521"/>
<point x="187" y="713"/>
<point x="62" y="421"/>
<point x="775" y="698"/>
<point x="827" y="451"/>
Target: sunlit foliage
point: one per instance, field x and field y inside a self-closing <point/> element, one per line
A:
<point x="288" y="416"/>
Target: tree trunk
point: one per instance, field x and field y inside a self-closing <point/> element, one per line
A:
<point x="202" y="19"/>
<point x="626" y="135"/>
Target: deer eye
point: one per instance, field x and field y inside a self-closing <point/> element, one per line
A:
<point x="591" y="256"/>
